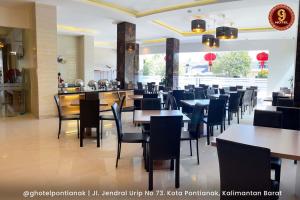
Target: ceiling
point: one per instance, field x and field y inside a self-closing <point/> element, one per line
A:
<point x="168" y="18"/>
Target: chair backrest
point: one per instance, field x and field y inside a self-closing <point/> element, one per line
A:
<point x="222" y="91"/>
<point x="224" y="97"/>
<point x="151" y="104"/>
<point x="196" y="120"/>
<point x="290" y="117"/>
<point x="117" y="115"/>
<point x="178" y="94"/>
<point x="199" y="93"/>
<point x="89" y="113"/>
<point x="174" y="105"/>
<point x="150" y="87"/>
<point x="152" y="96"/>
<point x="234" y="101"/>
<point x="122" y="103"/>
<point x="140" y="85"/>
<point x="216" y="111"/>
<point x="232" y="88"/>
<point x="188" y="96"/>
<point x="138" y="92"/>
<point x="243" y="168"/>
<point x="274" y="98"/>
<point x="215" y="86"/>
<point x="287" y="102"/>
<point x="92" y="96"/>
<point x="165" y="134"/>
<point x="266" y="118"/>
<point x="239" y="87"/>
<point x="57" y="102"/>
<point x="247" y="98"/>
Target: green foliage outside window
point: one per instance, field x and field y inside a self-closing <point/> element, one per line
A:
<point x="232" y="64"/>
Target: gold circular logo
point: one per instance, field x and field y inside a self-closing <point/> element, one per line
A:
<point x="281" y="17"/>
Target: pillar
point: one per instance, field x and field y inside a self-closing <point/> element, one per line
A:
<point x="126" y="35"/>
<point x="86" y="52"/>
<point x="172" y="62"/>
<point x="297" y="68"/>
<point x="136" y="63"/>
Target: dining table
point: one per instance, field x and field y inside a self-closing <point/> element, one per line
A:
<point x="192" y="103"/>
<point x="144" y="116"/>
<point x="282" y="143"/>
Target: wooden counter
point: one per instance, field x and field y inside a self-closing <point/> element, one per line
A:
<point x="107" y="98"/>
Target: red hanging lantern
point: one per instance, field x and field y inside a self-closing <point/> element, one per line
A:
<point x="210" y="57"/>
<point x="262" y="58"/>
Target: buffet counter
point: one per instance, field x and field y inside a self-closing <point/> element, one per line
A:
<point x="69" y="100"/>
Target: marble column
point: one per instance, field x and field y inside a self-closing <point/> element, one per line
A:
<point x="172" y="62"/>
<point x="86" y="67"/>
<point x="297" y="69"/>
<point x="125" y="53"/>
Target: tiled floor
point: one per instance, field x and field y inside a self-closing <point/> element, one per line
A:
<point x="32" y="158"/>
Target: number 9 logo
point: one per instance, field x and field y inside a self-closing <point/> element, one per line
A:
<point x="281" y="15"/>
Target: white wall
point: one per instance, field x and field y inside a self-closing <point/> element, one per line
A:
<point x="67" y="47"/>
<point x="103" y="57"/>
<point x="281" y="59"/>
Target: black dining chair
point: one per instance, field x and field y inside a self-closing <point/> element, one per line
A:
<point x="125" y="137"/>
<point x="199" y="93"/>
<point x="214" y="117"/>
<point x="222" y="90"/>
<point x="290" y="117"/>
<point x="151" y="96"/>
<point x="286" y="102"/>
<point x="245" y="168"/>
<point x="226" y="99"/>
<point x="239" y="87"/>
<point x="63" y="117"/>
<point x="164" y="144"/>
<point x="89" y="117"/>
<point x="272" y="119"/>
<point x="195" y="126"/>
<point x="233" y="106"/>
<point x="188" y="96"/>
<point x="232" y="88"/>
<point x="170" y="103"/>
<point x="140" y="86"/>
<point x="150" y="104"/>
<point x="178" y="94"/>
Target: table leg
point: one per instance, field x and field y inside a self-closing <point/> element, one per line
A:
<point x="297" y="189"/>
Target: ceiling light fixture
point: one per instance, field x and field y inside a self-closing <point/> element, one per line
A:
<point x="198" y="26"/>
<point x="215" y="43"/>
<point x="207" y="39"/>
<point x="226" y="33"/>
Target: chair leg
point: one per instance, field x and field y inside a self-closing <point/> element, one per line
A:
<point x="150" y="186"/>
<point x="77" y="128"/>
<point x="101" y="128"/>
<point x="98" y="137"/>
<point x="212" y="130"/>
<point x="118" y="154"/>
<point x="59" y="129"/>
<point x="191" y="148"/>
<point x="238" y="116"/>
<point x="277" y="174"/>
<point x="172" y="165"/>
<point x="177" y="173"/>
<point x="221" y="128"/>
<point x="295" y="162"/>
<point x="207" y="135"/>
<point x="81" y="136"/>
<point x="228" y="118"/>
<point x="197" y="146"/>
